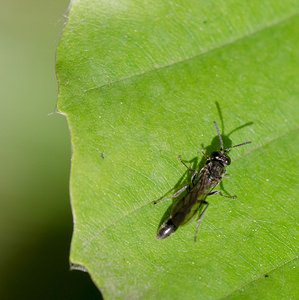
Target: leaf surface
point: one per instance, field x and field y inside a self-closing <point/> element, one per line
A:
<point x="139" y="83"/>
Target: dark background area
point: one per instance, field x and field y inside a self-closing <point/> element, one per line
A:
<point x="35" y="152"/>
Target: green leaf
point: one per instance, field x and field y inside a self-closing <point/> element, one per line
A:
<point x="139" y="82"/>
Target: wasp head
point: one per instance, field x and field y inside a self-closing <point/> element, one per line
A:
<point x="221" y="157"/>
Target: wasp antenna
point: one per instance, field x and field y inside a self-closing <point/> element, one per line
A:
<point x="220" y="138"/>
<point x="237" y="146"/>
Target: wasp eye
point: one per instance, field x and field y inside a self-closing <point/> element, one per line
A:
<point x="228" y="161"/>
<point x="215" y="154"/>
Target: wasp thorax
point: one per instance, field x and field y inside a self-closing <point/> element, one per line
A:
<point x="221" y="157"/>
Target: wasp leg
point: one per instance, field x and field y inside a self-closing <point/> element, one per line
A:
<point x="190" y="170"/>
<point x="203" y="153"/>
<point x="193" y="177"/>
<point x="200" y="218"/>
<point x="226" y="176"/>
<point x="218" y="192"/>
<point x="173" y="196"/>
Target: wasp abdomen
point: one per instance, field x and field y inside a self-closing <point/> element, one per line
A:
<point x="167" y="229"/>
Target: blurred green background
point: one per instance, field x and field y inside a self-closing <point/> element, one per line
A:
<point x="35" y="211"/>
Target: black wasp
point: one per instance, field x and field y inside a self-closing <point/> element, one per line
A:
<point x="200" y="188"/>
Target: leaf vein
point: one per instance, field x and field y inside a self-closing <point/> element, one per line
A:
<point x="275" y="23"/>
